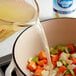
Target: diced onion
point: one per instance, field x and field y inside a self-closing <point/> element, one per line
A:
<point x="45" y="73"/>
<point x="59" y="64"/>
<point x="63" y="56"/>
<point x="29" y="59"/>
<point x="74" y="55"/>
<point x="69" y="61"/>
<point x="73" y="66"/>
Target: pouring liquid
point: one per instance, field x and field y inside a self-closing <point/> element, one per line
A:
<point x="42" y="34"/>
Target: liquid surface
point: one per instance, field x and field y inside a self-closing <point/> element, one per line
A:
<point x="13" y="11"/>
<point x="16" y="11"/>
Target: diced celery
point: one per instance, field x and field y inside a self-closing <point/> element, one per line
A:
<point x="60" y="47"/>
<point x="53" y="51"/>
<point x="69" y="50"/>
<point x="71" y="71"/>
<point x="64" y="63"/>
<point x="35" y="59"/>
<point x="59" y="64"/>
<point x="67" y="72"/>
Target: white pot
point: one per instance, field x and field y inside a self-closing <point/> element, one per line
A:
<point x="28" y="44"/>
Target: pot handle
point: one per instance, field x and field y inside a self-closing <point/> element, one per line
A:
<point x="10" y="68"/>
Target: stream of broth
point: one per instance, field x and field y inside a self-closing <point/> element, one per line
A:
<point x="42" y="34"/>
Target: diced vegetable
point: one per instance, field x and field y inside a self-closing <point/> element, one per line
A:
<point x="59" y="74"/>
<point x="35" y="59"/>
<point x="68" y="75"/>
<point x="38" y="72"/>
<point x="31" y="66"/>
<point x="64" y="63"/>
<point x="42" y="55"/>
<point x="54" y="58"/>
<point x="38" y="67"/>
<point x="59" y="52"/>
<point x="71" y="66"/>
<point x="43" y="68"/>
<point x="30" y="59"/>
<point x="42" y="62"/>
<point x="71" y="47"/>
<point x="69" y="50"/>
<point x="54" y="63"/>
<point x="62" y="69"/>
<point x="53" y="51"/>
<point x="59" y="64"/>
<point x="67" y="72"/>
<point x="74" y="55"/>
<point x="69" y="56"/>
<point x="45" y="73"/>
<point x="72" y="73"/>
<point x="74" y="60"/>
<point x="63" y="56"/>
<point x="60" y="47"/>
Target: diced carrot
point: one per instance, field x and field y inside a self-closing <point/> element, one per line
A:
<point x="54" y="58"/>
<point x="74" y="60"/>
<point x="68" y="75"/>
<point x="71" y="47"/>
<point x="42" y="62"/>
<point x="74" y="71"/>
<point x="62" y="69"/>
<point x="38" y="67"/>
<point x="38" y="72"/>
<point x="42" y="55"/>
<point x="31" y="66"/>
<point x="57" y="75"/>
<point x="54" y="63"/>
<point x="37" y="75"/>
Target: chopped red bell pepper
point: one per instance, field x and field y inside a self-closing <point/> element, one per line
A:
<point x="74" y="71"/>
<point x="54" y="63"/>
<point x="71" y="47"/>
<point x="31" y="66"/>
<point x="42" y="62"/>
<point x="59" y="52"/>
<point x="68" y="75"/>
<point x="74" y="60"/>
<point x="42" y="55"/>
<point x="62" y="69"/>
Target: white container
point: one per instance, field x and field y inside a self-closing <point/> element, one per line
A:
<point x="65" y="8"/>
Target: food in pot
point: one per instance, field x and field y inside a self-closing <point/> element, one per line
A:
<point x="63" y="59"/>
